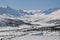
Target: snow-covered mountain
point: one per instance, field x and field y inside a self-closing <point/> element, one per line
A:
<point x="17" y="23"/>
<point x="30" y="16"/>
<point x="50" y="10"/>
<point x="8" y="11"/>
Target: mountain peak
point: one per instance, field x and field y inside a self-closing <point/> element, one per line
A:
<point x="9" y="11"/>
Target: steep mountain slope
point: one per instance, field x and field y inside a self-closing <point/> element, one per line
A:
<point x="8" y="11"/>
<point x="50" y="10"/>
<point x="55" y="14"/>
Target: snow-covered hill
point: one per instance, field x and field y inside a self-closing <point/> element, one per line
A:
<point x="25" y="24"/>
<point x="50" y="10"/>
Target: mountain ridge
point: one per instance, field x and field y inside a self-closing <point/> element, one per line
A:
<point x="17" y="13"/>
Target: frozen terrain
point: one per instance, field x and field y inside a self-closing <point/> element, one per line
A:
<point x="29" y="24"/>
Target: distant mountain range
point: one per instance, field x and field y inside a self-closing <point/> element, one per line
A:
<point x="39" y="16"/>
<point x="16" y="13"/>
